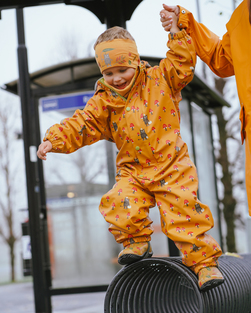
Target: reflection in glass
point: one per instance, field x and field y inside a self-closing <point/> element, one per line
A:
<point x="185" y="127"/>
<point x="82" y="251"/>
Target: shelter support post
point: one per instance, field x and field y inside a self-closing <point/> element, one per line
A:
<point x="41" y="295"/>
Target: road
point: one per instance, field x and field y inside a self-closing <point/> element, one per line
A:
<point x="18" y="298"/>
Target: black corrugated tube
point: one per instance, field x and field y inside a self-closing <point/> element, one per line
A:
<point x="165" y="285"/>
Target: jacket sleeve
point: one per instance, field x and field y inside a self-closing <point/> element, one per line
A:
<point x="214" y="52"/>
<point x="85" y="127"/>
<point x="178" y="66"/>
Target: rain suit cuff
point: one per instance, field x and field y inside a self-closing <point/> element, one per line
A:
<point x="57" y="144"/>
<point x="179" y="35"/>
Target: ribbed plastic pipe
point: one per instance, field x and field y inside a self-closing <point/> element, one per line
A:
<point x="165" y="285"/>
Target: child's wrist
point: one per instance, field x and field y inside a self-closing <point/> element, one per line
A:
<point x="174" y="29"/>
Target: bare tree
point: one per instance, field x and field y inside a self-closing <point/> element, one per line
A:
<point x="70" y="45"/>
<point x="83" y="161"/>
<point x="9" y="167"/>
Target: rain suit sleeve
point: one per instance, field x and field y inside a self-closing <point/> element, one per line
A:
<point x="214" y="52"/>
<point x="178" y="66"/>
<point x="85" y="127"/>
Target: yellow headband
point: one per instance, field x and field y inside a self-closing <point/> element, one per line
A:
<point x="117" y="52"/>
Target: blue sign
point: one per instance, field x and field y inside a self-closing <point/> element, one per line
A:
<point x="66" y="102"/>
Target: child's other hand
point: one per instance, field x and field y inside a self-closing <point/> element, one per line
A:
<point x="43" y="148"/>
<point x="169" y="18"/>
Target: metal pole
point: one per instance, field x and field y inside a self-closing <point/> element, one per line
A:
<point x="198" y="11"/>
<point x="234" y="6"/>
<point x="114" y="14"/>
<point x="42" y="301"/>
<point x="199" y="20"/>
<point x="43" y="209"/>
<point x="215" y="184"/>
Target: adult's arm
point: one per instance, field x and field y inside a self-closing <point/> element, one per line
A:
<point x="214" y="52"/>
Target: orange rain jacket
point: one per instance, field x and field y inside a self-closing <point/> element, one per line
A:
<point x="227" y="57"/>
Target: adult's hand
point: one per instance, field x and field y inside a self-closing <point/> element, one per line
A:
<point x="170" y="8"/>
<point x="166" y="18"/>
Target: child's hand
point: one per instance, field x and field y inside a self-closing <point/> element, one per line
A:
<point x="169" y="18"/>
<point x="43" y="149"/>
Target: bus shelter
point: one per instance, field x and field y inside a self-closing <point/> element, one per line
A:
<point x="70" y="194"/>
<point x="63" y="249"/>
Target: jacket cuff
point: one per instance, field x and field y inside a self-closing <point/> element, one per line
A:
<point x="183" y="18"/>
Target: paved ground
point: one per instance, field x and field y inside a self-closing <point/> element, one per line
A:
<point x="18" y="298"/>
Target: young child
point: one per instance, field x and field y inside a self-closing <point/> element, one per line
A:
<point x="135" y="106"/>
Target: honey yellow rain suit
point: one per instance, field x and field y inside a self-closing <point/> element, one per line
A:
<point x="153" y="165"/>
<point x="227" y="57"/>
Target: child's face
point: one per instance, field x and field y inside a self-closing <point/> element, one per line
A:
<point x="119" y="76"/>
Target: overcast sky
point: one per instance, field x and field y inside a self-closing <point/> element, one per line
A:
<point x="45" y="25"/>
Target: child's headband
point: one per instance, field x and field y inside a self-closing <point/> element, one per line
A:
<point x="117" y="52"/>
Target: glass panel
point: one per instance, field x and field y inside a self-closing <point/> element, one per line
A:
<point x="205" y="163"/>
<point x="82" y="250"/>
<point x="159" y="240"/>
<point x="185" y="127"/>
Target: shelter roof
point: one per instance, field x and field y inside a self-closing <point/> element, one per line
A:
<point x="81" y="74"/>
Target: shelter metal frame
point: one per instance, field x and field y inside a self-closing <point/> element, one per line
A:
<point x="197" y="91"/>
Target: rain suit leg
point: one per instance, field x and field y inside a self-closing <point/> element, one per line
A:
<point x="184" y="218"/>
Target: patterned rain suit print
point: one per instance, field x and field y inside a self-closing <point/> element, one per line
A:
<point x="153" y="164"/>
